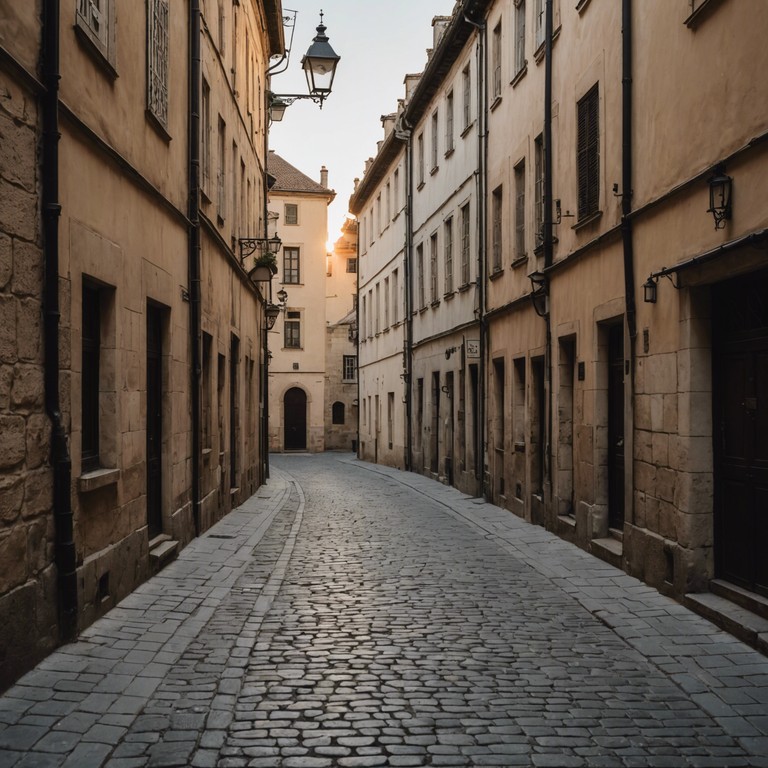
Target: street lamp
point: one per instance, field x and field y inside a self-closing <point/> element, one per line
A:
<point x="720" y="191"/>
<point x="319" y="64"/>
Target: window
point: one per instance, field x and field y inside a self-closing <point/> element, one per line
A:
<point x="351" y="265"/>
<point x="390" y="418"/>
<point x="222" y="174"/>
<point x="538" y="196"/>
<point x="497" y="202"/>
<point x="95" y="23"/>
<point x="207" y="399"/>
<point x="291" y="265"/>
<point x="377" y="313"/>
<point x="395" y="297"/>
<point x="467" y="90"/>
<point x="420" y="268"/>
<point x="588" y="155"/>
<point x="465" y="244"/>
<point x="337" y="413"/>
<point x="496" y="56"/>
<point x="388" y="201"/>
<point x="396" y="190"/>
<point x="520" y="61"/>
<point x="520" y="210"/>
<point x="91" y="349"/>
<point x="349" y="370"/>
<point x="434" y="139"/>
<point x="291" y="214"/>
<point x="363" y="316"/>
<point x="221" y="30"/>
<point x="293" y="330"/>
<point x="433" y="268"/>
<point x="539" y="8"/>
<point x="448" y="254"/>
<point x="386" y="302"/>
<point x="157" y="60"/>
<point x="420" y="157"/>
<point x="449" y="122"/>
<point x="205" y="135"/>
<point x="378" y="213"/>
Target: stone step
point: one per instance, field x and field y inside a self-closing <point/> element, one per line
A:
<point x="162" y="553"/>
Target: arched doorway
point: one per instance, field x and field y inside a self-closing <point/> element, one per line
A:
<point x="295" y="420"/>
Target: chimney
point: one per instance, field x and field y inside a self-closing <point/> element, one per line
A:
<point x="324" y="177"/>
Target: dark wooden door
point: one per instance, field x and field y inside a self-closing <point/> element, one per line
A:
<point x="616" y="426"/>
<point x="740" y="412"/>
<point x="295" y="420"/>
<point x="154" y="421"/>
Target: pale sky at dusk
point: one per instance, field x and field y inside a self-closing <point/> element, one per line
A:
<point x="379" y="41"/>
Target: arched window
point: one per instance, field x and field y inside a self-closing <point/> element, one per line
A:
<point x="338" y="413"/>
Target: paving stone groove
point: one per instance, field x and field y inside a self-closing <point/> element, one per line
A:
<point x="354" y="615"/>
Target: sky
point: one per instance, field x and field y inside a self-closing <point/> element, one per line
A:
<point x="379" y="41"/>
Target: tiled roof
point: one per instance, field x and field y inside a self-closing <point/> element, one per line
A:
<point x="290" y="179"/>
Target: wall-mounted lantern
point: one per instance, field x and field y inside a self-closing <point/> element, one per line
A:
<point x="720" y="196"/>
<point x="539" y="292"/>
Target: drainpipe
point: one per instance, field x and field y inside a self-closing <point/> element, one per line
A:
<point x="627" y="242"/>
<point x="482" y="255"/>
<point x="194" y="251"/>
<point x="548" y="244"/>
<point x="65" y="551"/>
<point x="404" y="133"/>
<point x="265" y="351"/>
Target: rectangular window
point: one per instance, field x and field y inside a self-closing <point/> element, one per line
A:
<point x="157" y="60"/>
<point x="496" y="59"/>
<point x="538" y="191"/>
<point x="363" y="324"/>
<point x="539" y="8"/>
<point x="467" y="95"/>
<point x="449" y="122"/>
<point x="222" y="173"/>
<point x="390" y="418"/>
<point x="448" y="254"/>
<point x="205" y="135"/>
<point x="386" y="302"/>
<point x="378" y="213"/>
<point x="420" y="269"/>
<point x="291" y="214"/>
<point x="388" y="201"/>
<point x="433" y="268"/>
<point x="434" y="139"/>
<point x="293" y="330"/>
<point x="291" y="265"/>
<point x="351" y="265"/>
<point x="497" y="202"/>
<point x="396" y="191"/>
<point x="395" y="297"/>
<point x="95" y="22"/>
<point x="520" y="252"/>
<point x="588" y="154"/>
<point x="222" y="28"/>
<point x="349" y="368"/>
<point x="207" y="404"/>
<point x="465" y="244"/>
<point x="91" y="349"/>
<point x="377" y="313"/>
<point x="520" y="61"/>
<point x="420" y="157"/>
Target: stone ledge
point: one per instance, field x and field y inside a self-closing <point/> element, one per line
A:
<point x="91" y="481"/>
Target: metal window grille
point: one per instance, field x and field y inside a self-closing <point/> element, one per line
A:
<point x="588" y="160"/>
<point x="291" y="265"/>
<point x="157" y="59"/>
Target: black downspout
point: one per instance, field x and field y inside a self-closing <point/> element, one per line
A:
<point x="194" y="251"/>
<point x="407" y="279"/>
<point x="548" y="226"/>
<point x="265" y="351"/>
<point x="627" y="241"/>
<point x="65" y="552"/>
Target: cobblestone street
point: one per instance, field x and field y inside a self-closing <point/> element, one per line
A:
<point x="354" y="615"/>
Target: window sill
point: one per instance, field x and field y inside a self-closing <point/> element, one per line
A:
<point x="496" y="274"/>
<point x="448" y="295"/>
<point x="581" y="5"/>
<point x="435" y="303"/>
<point x="156" y="123"/>
<point x="521" y="262"/>
<point x="102" y="58"/>
<point x="520" y="75"/>
<point x="423" y="310"/>
<point x="495" y="103"/>
<point x="587" y="220"/>
<point x="434" y="170"/>
<point x="700" y="13"/>
<point x="98" y="478"/>
<point x="449" y="152"/>
<point x="420" y="186"/>
<point x="467" y="129"/>
<point x="465" y="287"/>
<point x="541" y="50"/>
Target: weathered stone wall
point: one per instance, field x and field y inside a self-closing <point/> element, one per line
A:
<point x="28" y="628"/>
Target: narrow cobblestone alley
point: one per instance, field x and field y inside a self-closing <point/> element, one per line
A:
<point x="353" y="615"/>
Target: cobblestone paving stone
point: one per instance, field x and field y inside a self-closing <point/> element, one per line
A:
<point x="353" y="615"/>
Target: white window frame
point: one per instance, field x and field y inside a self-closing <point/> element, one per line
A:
<point x="95" y="21"/>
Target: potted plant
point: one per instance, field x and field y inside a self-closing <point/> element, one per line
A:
<point x="264" y="267"/>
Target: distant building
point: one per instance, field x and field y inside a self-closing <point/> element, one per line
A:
<point x="297" y="342"/>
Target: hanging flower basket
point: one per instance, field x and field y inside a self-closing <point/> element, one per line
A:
<point x="264" y="267"/>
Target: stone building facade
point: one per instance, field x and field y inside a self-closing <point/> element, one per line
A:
<point x="618" y="270"/>
<point x="131" y="169"/>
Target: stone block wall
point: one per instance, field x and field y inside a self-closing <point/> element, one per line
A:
<point x="27" y="574"/>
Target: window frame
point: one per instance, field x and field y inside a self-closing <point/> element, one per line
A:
<point x="291" y="274"/>
<point x="588" y="153"/>
<point x="158" y="63"/>
<point x="292" y="329"/>
<point x="99" y="37"/>
<point x="448" y="255"/>
<point x="293" y="219"/>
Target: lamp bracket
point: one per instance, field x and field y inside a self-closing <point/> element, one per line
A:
<point x="249" y="245"/>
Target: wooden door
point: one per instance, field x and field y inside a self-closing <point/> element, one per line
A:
<point x="154" y="421"/>
<point x="616" y="427"/>
<point x="295" y="420"/>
